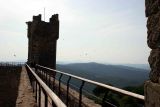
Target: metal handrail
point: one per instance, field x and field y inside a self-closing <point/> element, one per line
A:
<point x="48" y="91"/>
<point x="115" y="89"/>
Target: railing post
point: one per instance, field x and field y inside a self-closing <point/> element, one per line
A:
<point x="36" y="89"/>
<point x="33" y="84"/>
<point x="39" y="96"/>
<point x="104" y="98"/>
<point x="59" y="92"/>
<point x="43" y="74"/>
<point x="54" y="77"/>
<point x="53" y="104"/>
<point x="46" y="77"/>
<point x="36" y="68"/>
<point x="46" y="99"/>
<point x="68" y="90"/>
<point x="80" y="93"/>
<point x="49" y="79"/>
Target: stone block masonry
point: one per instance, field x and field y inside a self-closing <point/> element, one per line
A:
<point x="15" y="87"/>
<point x="9" y="83"/>
<point x="152" y="94"/>
<point x="42" y="40"/>
<point x="152" y="87"/>
<point x="153" y="38"/>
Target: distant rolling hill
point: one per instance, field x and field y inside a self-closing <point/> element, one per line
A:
<point x="141" y="66"/>
<point x="117" y="75"/>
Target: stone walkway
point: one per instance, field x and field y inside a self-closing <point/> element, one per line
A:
<point x="25" y="94"/>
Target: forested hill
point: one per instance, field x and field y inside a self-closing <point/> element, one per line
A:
<point x="117" y="75"/>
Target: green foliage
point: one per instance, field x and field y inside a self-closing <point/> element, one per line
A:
<point x="100" y="91"/>
<point x="138" y="89"/>
<point x="119" y="100"/>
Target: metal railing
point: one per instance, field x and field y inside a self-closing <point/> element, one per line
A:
<point x="11" y="64"/>
<point x="39" y="86"/>
<point x="48" y="76"/>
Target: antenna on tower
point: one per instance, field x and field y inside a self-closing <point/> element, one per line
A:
<point x="44" y="13"/>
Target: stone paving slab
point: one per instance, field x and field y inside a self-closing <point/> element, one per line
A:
<point x="25" y="94"/>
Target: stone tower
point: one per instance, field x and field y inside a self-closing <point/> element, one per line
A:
<point x="42" y="40"/>
<point x="152" y="87"/>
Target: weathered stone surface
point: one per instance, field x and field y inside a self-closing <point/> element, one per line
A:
<point x="42" y="41"/>
<point x="152" y="87"/>
<point x="152" y="7"/>
<point x="9" y="83"/>
<point x="154" y="61"/>
<point x="153" y="25"/>
<point x="153" y="38"/>
<point x="152" y="94"/>
<point x="25" y="96"/>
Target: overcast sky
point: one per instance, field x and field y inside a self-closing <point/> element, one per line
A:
<point x="106" y="31"/>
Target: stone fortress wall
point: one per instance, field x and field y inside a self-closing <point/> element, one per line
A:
<point x="152" y="87"/>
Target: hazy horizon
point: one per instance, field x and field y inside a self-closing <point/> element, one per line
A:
<point x="106" y="31"/>
<point x="76" y="61"/>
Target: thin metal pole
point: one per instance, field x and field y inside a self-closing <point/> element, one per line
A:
<point x="46" y="98"/>
<point x="80" y="93"/>
<point x="49" y="79"/>
<point x="33" y="85"/>
<point x="104" y="98"/>
<point x="43" y="75"/>
<point x="54" y="81"/>
<point x="53" y="104"/>
<point x="39" y="96"/>
<point x="36" y="91"/>
<point x="59" y="92"/>
<point x="68" y="90"/>
<point x="46" y="75"/>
